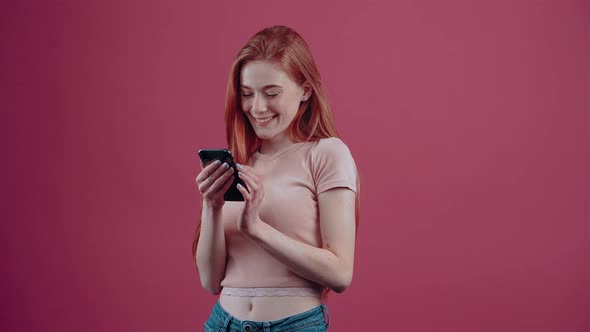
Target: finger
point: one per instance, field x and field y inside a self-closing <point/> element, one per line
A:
<point x="244" y="192"/>
<point x="250" y="171"/>
<point x="228" y="182"/>
<point x="219" y="171"/>
<point x="252" y="186"/>
<point x="207" y="171"/>
<point x="221" y="182"/>
<point x="214" y="178"/>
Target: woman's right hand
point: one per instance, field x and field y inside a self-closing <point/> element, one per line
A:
<point x="213" y="181"/>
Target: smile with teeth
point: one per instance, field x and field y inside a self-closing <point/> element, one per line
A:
<point x="265" y="120"/>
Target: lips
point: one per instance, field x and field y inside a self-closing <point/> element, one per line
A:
<point x="264" y="121"/>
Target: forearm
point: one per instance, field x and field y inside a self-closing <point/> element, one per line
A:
<point x="317" y="264"/>
<point x="211" y="252"/>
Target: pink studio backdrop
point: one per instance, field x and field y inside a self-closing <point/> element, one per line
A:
<point x="468" y="121"/>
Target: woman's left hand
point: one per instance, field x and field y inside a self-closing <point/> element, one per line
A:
<point x="252" y="198"/>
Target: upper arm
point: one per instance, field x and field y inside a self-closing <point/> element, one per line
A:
<point x="337" y="223"/>
<point x="335" y="177"/>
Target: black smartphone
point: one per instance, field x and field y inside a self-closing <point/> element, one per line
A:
<point x="209" y="155"/>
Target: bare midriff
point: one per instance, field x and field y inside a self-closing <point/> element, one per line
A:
<point x="267" y="308"/>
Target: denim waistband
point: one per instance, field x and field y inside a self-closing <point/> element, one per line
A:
<point x="310" y="317"/>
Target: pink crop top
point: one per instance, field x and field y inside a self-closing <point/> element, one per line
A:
<point x="292" y="179"/>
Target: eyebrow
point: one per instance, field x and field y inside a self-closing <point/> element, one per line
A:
<point x="264" y="87"/>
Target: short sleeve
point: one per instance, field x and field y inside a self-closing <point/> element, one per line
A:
<point x="333" y="165"/>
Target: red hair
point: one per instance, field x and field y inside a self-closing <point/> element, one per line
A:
<point x="284" y="47"/>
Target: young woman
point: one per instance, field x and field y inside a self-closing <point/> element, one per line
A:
<point x="275" y="256"/>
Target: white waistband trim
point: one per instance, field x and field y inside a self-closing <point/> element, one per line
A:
<point x="262" y="291"/>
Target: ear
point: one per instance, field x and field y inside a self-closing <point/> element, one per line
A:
<point x="307" y="91"/>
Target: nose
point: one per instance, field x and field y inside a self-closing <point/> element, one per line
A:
<point x="258" y="104"/>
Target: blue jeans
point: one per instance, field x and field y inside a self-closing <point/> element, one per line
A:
<point x="309" y="321"/>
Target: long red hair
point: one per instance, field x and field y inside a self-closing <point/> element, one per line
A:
<point x="285" y="47"/>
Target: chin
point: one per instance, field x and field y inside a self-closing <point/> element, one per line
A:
<point x="264" y="135"/>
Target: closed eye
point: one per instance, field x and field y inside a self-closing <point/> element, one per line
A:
<point x="270" y="95"/>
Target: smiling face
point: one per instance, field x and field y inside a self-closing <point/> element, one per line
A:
<point x="270" y="99"/>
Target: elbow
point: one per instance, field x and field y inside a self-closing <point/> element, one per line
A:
<point x="343" y="282"/>
<point x="341" y="286"/>
<point x="209" y="283"/>
<point x="210" y="287"/>
<point x="213" y="290"/>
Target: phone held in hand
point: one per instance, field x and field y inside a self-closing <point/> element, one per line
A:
<point x="209" y="155"/>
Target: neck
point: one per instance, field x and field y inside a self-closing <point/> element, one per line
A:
<point x="275" y="144"/>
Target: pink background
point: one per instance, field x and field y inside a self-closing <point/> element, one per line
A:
<point x="468" y="121"/>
